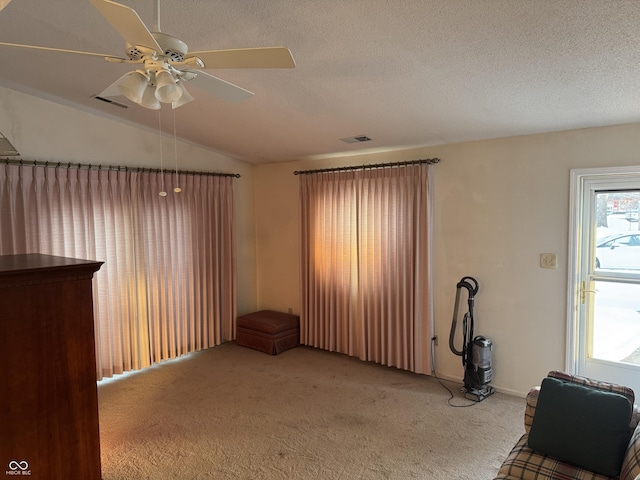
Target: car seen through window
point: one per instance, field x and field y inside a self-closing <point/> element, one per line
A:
<point x="619" y="251"/>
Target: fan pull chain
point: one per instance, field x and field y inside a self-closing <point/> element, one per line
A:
<point x="162" y="193"/>
<point x="175" y="150"/>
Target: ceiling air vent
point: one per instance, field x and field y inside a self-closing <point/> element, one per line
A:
<point x="356" y="139"/>
<point x="6" y="149"/>
<point x="108" y="100"/>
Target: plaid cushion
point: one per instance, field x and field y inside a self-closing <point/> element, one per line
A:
<point x="526" y="464"/>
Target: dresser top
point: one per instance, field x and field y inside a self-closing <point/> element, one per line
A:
<point x="36" y="262"/>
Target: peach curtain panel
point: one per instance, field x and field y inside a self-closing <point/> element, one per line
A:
<point x="366" y="283"/>
<point x="168" y="284"/>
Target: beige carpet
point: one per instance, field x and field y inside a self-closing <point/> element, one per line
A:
<point x="236" y="413"/>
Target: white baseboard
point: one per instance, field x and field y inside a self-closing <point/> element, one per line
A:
<point x="506" y="391"/>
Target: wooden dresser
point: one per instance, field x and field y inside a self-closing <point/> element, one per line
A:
<point x="48" y="391"/>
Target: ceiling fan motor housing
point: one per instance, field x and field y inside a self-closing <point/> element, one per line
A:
<point x="173" y="48"/>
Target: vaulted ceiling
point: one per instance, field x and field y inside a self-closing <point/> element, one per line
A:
<point x="404" y="73"/>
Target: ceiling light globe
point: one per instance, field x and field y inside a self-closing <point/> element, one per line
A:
<point x="167" y="91"/>
<point x="149" y="99"/>
<point x="133" y="86"/>
<point x="185" y="97"/>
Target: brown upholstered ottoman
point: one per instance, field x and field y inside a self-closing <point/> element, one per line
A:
<point x="268" y="331"/>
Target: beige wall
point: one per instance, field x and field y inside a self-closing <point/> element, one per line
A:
<point x="498" y="205"/>
<point x="46" y="131"/>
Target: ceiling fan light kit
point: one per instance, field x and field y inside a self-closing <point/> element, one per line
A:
<point x="158" y="74"/>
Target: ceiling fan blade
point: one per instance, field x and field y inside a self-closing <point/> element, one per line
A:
<point x="127" y="23"/>
<point x="263" y="57"/>
<point x="218" y="87"/>
<point x="63" y="50"/>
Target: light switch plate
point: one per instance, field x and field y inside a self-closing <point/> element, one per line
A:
<point x="548" y="260"/>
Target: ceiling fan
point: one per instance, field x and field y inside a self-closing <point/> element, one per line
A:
<point x="165" y="64"/>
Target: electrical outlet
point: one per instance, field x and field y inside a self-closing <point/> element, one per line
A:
<point x="548" y="260"/>
<point x="290" y="310"/>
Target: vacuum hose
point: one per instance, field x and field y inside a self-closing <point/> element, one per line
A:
<point x="471" y="284"/>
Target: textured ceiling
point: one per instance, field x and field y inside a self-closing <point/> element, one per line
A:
<point x="405" y="73"/>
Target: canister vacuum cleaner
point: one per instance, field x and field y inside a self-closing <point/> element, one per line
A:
<point x="476" y="351"/>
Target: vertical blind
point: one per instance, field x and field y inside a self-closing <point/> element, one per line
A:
<point x="365" y="246"/>
<point x="168" y="284"/>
